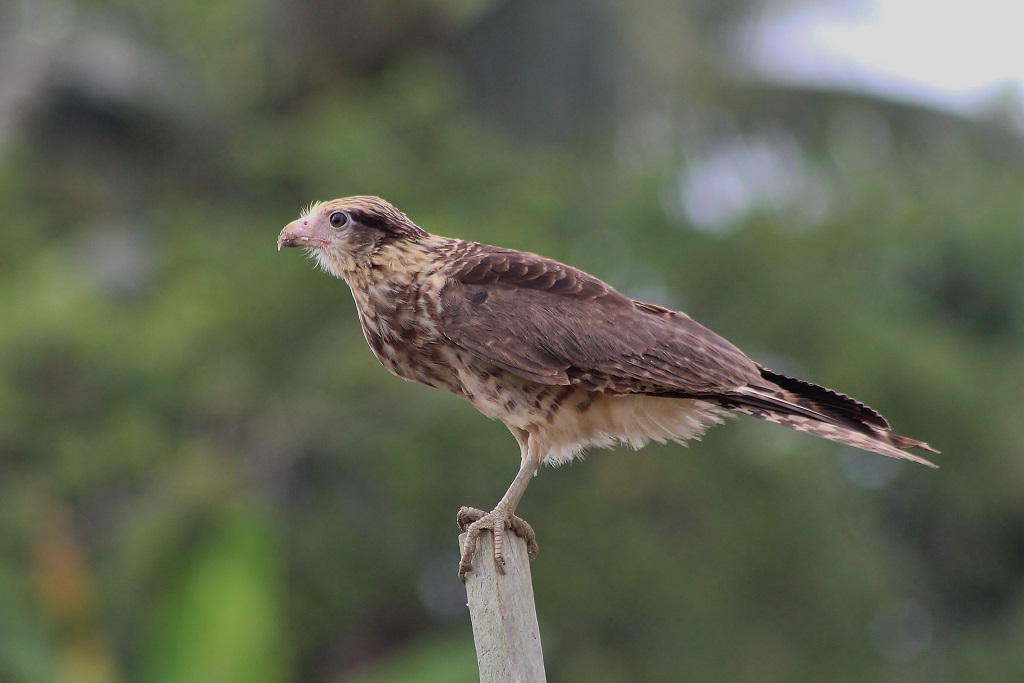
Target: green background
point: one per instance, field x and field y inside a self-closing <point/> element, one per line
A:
<point x="206" y="476"/>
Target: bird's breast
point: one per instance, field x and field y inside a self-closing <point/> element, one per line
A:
<point x="399" y="322"/>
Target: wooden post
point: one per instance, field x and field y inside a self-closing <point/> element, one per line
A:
<point x="504" y="617"/>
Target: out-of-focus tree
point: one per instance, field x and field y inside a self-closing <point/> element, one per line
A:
<point x="207" y="476"/>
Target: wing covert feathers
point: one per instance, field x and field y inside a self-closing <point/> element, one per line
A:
<point x="553" y="324"/>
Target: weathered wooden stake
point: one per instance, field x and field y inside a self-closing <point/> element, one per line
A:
<point x="504" y="617"/>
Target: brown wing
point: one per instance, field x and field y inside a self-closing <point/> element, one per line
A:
<point x="550" y="323"/>
<point x="553" y="324"/>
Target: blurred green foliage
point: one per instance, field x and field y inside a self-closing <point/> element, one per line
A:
<point x="207" y="477"/>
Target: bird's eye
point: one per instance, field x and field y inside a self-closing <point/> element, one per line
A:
<point x="339" y="219"/>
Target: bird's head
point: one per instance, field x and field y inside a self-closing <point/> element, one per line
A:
<point x="344" y="235"/>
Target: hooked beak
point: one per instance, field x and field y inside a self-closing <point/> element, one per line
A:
<point x="301" y="233"/>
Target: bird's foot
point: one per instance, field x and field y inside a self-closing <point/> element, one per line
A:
<point x="473" y="521"/>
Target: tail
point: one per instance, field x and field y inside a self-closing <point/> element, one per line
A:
<point x="822" y="412"/>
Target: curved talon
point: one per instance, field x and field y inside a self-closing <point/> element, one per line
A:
<point x="474" y="520"/>
<point x="523" y="530"/>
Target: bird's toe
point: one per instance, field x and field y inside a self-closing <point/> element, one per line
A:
<point x="473" y="521"/>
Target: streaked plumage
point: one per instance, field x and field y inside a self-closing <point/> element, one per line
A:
<point x="560" y="357"/>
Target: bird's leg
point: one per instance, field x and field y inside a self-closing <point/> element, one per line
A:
<point x="473" y="521"/>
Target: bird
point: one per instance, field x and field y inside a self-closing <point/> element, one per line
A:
<point x="563" y="359"/>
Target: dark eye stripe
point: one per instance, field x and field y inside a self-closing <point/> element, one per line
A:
<point x="372" y="220"/>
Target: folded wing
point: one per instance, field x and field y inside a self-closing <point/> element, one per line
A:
<point x="553" y="324"/>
